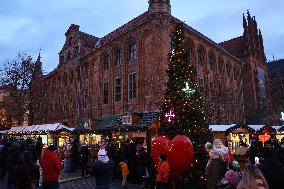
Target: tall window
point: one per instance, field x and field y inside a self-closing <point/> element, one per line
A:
<point x="132" y="51"/>
<point x="65" y="103"/>
<point x="118" y="57"/>
<point x="228" y="70"/>
<point x="132" y="86"/>
<point x="200" y="58"/>
<point x="105" y="92"/>
<point x="106" y="62"/>
<point x="201" y="85"/>
<point x="70" y="102"/>
<point x="221" y="66"/>
<point x="53" y="105"/>
<point x="211" y="62"/>
<point x="117" y="89"/>
<point x="85" y="98"/>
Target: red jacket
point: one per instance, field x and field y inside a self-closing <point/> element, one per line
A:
<point x="163" y="172"/>
<point x="51" y="166"/>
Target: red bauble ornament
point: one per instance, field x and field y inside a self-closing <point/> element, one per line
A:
<point x="179" y="152"/>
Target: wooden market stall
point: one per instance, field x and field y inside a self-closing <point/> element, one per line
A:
<point x="50" y="133"/>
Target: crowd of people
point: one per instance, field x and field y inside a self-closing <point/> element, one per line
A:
<point x="264" y="168"/>
<point x="26" y="165"/>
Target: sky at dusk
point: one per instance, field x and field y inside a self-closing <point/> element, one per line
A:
<point x="29" y="25"/>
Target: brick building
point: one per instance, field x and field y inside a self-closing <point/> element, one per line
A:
<point x="276" y="76"/>
<point x="124" y="71"/>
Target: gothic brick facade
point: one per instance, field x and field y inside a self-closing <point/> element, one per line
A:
<point x="125" y="71"/>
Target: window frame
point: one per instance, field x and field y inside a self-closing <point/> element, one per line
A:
<point x="106" y="63"/>
<point x="105" y="92"/>
<point x="132" y="86"/>
<point x="118" y="58"/>
<point x="132" y="51"/>
<point x="117" y="89"/>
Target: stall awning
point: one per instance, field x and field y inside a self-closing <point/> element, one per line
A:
<point x="220" y="128"/>
<point x="39" y="128"/>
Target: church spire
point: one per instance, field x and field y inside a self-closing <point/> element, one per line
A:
<point x="38" y="65"/>
<point x="244" y="24"/>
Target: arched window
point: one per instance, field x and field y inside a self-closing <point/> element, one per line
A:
<point x="200" y="57"/>
<point x="212" y="59"/>
<point x="117" y="57"/>
<point x="106" y="62"/>
<point x="71" y="77"/>
<point x="65" y="79"/>
<point x="221" y="65"/>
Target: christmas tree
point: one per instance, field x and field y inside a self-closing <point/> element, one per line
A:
<point x="182" y="108"/>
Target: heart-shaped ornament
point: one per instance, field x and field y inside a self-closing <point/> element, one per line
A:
<point x="179" y="152"/>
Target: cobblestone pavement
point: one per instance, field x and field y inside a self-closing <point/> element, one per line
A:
<point x="75" y="181"/>
<point x="89" y="183"/>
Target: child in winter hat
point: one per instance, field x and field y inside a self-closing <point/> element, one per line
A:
<point x="231" y="177"/>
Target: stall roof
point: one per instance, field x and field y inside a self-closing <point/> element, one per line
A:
<point x="42" y="128"/>
<point x="256" y="127"/>
<point x="4" y="131"/>
<point x="221" y="128"/>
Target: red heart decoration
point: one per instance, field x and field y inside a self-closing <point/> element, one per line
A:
<point x="179" y="152"/>
<point x="160" y="145"/>
<point x="180" y="155"/>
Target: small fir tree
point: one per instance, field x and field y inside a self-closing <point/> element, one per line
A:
<point x="182" y="108"/>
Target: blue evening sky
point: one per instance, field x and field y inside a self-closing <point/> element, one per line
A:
<point x="30" y="25"/>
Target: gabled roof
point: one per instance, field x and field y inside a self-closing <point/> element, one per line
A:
<point x="124" y="28"/>
<point x="236" y="46"/>
<point x="206" y="38"/>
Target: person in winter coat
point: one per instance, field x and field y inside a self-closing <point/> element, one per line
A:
<point x="39" y="146"/>
<point x="253" y="179"/>
<point x="253" y="151"/>
<point x="74" y="157"/>
<point x="29" y="147"/>
<point x="216" y="169"/>
<point x="84" y="157"/>
<point x="102" y="170"/>
<point x="12" y="161"/>
<point x="163" y="173"/>
<point x="141" y="164"/>
<point x="230" y="181"/>
<point x="124" y="172"/>
<point x="51" y="167"/>
<point x="26" y="174"/>
<point x="271" y="169"/>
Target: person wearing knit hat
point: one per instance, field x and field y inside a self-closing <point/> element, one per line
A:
<point x="216" y="168"/>
<point x="102" y="170"/>
<point x="230" y="181"/>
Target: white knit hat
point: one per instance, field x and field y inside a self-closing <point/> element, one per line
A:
<point x="102" y="156"/>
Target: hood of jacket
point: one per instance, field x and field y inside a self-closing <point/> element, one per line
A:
<point x="48" y="154"/>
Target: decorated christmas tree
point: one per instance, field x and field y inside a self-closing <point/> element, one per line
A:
<point x="182" y="109"/>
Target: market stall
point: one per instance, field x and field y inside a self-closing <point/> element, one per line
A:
<point x="239" y="135"/>
<point x="48" y="132"/>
